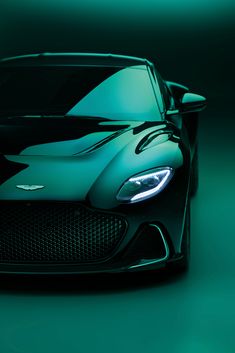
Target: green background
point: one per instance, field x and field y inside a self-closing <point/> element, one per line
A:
<point x="193" y="43"/>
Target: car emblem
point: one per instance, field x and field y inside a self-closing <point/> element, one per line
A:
<point x="30" y="187"/>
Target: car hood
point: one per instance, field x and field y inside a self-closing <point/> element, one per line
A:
<point x="80" y="160"/>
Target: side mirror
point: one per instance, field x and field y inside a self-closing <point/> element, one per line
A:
<point x="191" y="102"/>
<point x="177" y="90"/>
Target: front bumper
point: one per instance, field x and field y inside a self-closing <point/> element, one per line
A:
<point x="147" y="250"/>
<point x="165" y="213"/>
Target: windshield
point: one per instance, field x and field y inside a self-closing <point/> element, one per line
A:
<point x="107" y="92"/>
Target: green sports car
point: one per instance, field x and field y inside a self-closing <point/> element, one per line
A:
<point x="98" y="160"/>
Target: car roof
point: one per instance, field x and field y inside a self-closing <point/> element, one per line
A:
<point x="74" y="59"/>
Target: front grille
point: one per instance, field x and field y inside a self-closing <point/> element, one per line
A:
<point x="57" y="233"/>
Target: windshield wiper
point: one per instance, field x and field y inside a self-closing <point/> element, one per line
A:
<point x="19" y="116"/>
<point x="48" y="116"/>
<point x="90" y="117"/>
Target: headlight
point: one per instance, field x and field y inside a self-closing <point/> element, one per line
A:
<point x="145" y="185"/>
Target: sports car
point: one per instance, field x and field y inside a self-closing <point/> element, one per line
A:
<point x="98" y="160"/>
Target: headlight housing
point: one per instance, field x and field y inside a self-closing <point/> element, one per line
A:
<point x="145" y="185"/>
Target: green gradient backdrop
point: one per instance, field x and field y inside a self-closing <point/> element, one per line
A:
<point x="193" y="43"/>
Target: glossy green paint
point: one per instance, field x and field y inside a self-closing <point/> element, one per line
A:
<point x="95" y="165"/>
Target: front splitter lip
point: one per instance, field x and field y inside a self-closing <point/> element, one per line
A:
<point x="147" y="265"/>
<point x="78" y="269"/>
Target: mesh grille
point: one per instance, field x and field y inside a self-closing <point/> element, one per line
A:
<point x="58" y="233"/>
